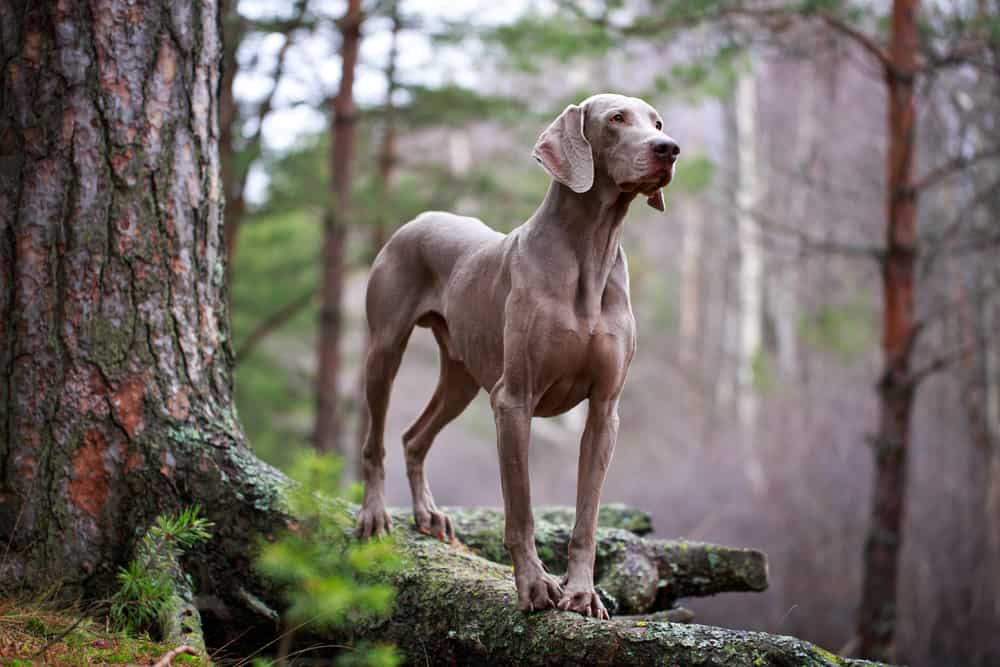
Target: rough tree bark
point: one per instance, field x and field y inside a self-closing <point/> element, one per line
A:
<point x="641" y="575"/>
<point x="454" y="607"/>
<point x="335" y="235"/>
<point x="116" y="397"/>
<point x="896" y="388"/>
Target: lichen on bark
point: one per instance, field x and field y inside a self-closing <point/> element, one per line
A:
<point x="460" y="608"/>
<point x="641" y="574"/>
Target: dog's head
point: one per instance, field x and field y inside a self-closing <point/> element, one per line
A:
<point x="615" y="136"/>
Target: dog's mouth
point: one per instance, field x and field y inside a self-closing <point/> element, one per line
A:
<point x="651" y="183"/>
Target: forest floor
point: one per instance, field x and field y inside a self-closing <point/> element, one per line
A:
<point x="43" y="634"/>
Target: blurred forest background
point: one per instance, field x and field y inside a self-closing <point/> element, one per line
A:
<point x="752" y="412"/>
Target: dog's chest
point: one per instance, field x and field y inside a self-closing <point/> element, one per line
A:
<point x="580" y="355"/>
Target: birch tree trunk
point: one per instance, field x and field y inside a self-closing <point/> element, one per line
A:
<point x="783" y="285"/>
<point x="750" y="287"/>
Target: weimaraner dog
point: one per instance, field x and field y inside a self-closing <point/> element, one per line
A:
<point x="540" y="318"/>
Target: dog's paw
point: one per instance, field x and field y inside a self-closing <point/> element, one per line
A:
<point x="373" y="522"/>
<point x="585" y="602"/>
<point x="537" y="592"/>
<point x="434" y="523"/>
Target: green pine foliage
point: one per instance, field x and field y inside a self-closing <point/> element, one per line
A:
<point x="329" y="579"/>
<point x="146" y="584"/>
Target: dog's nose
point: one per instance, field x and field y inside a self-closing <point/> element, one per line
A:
<point x="666" y="148"/>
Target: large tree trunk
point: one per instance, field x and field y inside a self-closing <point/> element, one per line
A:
<point x="116" y="399"/>
<point x="877" y="618"/>
<point x="335" y="236"/>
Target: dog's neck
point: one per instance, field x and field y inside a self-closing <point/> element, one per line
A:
<point x="589" y="225"/>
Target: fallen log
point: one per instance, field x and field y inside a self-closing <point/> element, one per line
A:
<point x="611" y="515"/>
<point x="455" y="607"/>
<point x="642" y="575"/>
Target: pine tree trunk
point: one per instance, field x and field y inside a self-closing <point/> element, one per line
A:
<point x="117" y="394"/>
<point x="335" y="236"/>
<point x="877" y="619"/>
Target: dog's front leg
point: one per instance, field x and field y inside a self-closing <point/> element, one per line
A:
<point x="596" y="448"/>
<point x="536" y="589"/>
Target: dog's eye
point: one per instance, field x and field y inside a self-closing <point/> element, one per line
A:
<point x="618" y="118"/>
<point x="659" y="125"/>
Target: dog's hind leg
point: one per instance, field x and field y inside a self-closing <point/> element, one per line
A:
<point x="389" y="328"/>
<point x="456" y="389"/>
<point x="380" y="371"/>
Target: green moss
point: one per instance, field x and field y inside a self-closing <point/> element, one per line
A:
<point x="41" y="635"/>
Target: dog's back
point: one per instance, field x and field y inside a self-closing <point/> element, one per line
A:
<point x="417" y="262"/>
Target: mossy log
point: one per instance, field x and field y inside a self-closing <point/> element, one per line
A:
<point x="456" y="607"/>
<point x="642" y="575"/>
<point x="611" y="515"/>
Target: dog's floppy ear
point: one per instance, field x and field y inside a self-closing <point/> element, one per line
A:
<point x="565" y="152"/>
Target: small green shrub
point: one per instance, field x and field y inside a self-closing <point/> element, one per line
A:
<point x="35" y="627"/>
<point x="146" y="584"/>
<point x="330" y="579"/>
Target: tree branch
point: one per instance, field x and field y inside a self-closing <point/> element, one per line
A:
<point x="940" y="363"/>
<point x="863" y="40"/>
<point x="778" y="13"/>
<point x="271" y="323"/>
<point x="941" y="172"/>
<point x="818" y="245"/>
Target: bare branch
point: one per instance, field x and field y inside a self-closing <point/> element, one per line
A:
<point x="818" y="245"/>
<point x="941" y="362"/>
<point x="271" y="323"/>
<point x="861" y="39"/>
<point x="949" y="168"/>
<point x="962" y="54"/>
<point x="267" y="104"/>
<point x="778" y="16"/>
<point x="941" y="245"/>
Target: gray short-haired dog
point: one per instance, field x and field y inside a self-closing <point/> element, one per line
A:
<point x="540" y="318"/>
